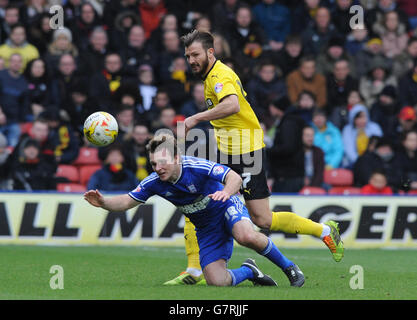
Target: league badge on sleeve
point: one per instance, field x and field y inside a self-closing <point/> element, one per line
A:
<point x="218" y="87"/>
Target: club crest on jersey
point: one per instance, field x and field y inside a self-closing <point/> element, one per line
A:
<point x="192" y="188"/>
<point x="218" y="87"/>
<point x="217" y="170"/>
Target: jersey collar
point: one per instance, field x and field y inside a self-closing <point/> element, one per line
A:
<point x="205" y="77"/>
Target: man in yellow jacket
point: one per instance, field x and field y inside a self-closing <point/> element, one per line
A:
<point x="17" y="44"/>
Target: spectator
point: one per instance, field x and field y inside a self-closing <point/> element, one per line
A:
<point x="32" y="171"/>
<point x="178" y="85"/>
<point x="266" y="86"/>
<point x="147" y="87"/>
<point x="286" y="156"/>
<point x="39" y="131"/>
<point x="313" y="160"/>
<point x="113" y="176"/>
<point x="13" y="98"/>
<point x="137" y="157"/>
<point x="303" y="15"/>
<point x="407" y="87"/>
<point x="384" y="111"/>
<point x="72" y="11"/>
<point x="408" y="155"/>
<point x="339" y="84"/>
<point x="11" y="17"/>
<point x="66" y="77"/>
<point x="356" y="134"/>
<point x="245" y="36"/>
<point x="334" y="51"/>
<point x="306" y="78"/>
<point x="92" y="58"/>
<point x="151" y="12"/>
<point x="221" y="47"/>
<point x="377" y="184"/>
<point x="408" y="6"/>
<point x="169" y="22"/>
<point x="341" y="16"/>
<point x="17" y="43"/>
<point x="306" y="104"/>
<point x="223" y="14"/>
<point x="32" y="10"/>
<point x="83" y="25"/>
<point x="40" y="33"/>
<point x="104" y="84"/>
<point x="137" y="52"/>
<point x="317" y="37"/>
<point x="376" y="15"/>
<point x="392" y="33"/>
<point x="385" y="158"/>
<point x="288" y="59"/>
<point x="364" y="58"/>
<point x="275" y="20"/>
<point x="166" y="120"/>
<point x="172" y="50"/>
<point x="39" y="87"/>
<point x="329" y="139"/>
<point x="61" y="44"/>
<point x="125" y="118"/>
<point x="123" y="22"/>
<point x="407" y="121"/>
<point x="403" y="62"/>
<point x="4" y="164"/>
<point x="356" y="40"/>
<point x="62" y="137"/>
<point x="197" y="103"/>
<point x="114" y="7"/>
<point x="161" y="101"/>
<point x="202" y="23"/>
<point x="378" y="77"/>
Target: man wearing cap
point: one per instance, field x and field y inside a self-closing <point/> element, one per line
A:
<point x="408" y="87"/>
<point x="372" y="49"/>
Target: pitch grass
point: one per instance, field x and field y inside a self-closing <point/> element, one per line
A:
<point x="138" y="273"/>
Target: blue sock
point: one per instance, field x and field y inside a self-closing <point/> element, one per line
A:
<point x="273" y="254"/>
<point x="241" y="274"/>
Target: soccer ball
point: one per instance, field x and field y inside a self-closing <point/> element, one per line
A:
<point x="101" y="128"/>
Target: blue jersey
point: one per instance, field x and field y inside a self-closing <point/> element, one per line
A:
<point x="198" y="179"/>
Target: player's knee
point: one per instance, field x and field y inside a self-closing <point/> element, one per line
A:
<point x="216" y="280"/>
<point x="246" y="239"/>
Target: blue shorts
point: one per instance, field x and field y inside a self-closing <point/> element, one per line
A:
<point x="216" y="240"/>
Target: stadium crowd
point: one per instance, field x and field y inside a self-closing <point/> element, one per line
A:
<point x="328" y="96"/>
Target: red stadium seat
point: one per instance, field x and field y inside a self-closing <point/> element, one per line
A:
<point x="338" y="177"/>
<point x="412" y="192"/>
<point x="86" y="172"/>
<point x="70" y="187"/>
<point x="312" y="190"/>
<point x="345" y="191"/>
<point x="68" y="171"/>
<point x="87" y="156"/>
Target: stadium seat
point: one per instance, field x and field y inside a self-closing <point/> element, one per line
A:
<point x="68" y="171"/>
<point x="87" y="156"/>
<point x="345" y="191"/>
<point x="312" y="190"/>
<point x="86" y="172"/>
<point x="70" y="187"/>
<point x="338" y="177"/>
<point x="412" y="192"/>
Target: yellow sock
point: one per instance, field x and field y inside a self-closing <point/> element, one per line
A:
<point x="292" y="223"/>
<point x="191" y="245"/>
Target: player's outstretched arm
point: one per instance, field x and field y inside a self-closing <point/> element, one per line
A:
<point x="232" y="185"/>
<point x="229" y="105"/>
<point x="117" y="203"/>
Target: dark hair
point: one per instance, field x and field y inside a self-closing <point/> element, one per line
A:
<point x="163" y="141"/>
<point x="204" y="37"/>
<point x="379" y="171"/>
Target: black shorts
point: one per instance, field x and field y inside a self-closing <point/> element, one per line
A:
<point x="250" y="167"/>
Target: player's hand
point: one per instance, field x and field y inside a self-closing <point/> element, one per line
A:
<point x="220" y="196"/>
<point x="190" y="123"/>
<point x="95" y="198"/>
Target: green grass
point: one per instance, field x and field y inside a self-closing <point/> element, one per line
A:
<point x="138" y="273"/>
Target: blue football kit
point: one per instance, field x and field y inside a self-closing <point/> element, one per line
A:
<point x="213" y="220"/>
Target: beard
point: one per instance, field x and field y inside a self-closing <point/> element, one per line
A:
<point x="203" y="67"/>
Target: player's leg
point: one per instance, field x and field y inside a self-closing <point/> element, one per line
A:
<point x="193" y="273"/>
<point x="245" y="235"/>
